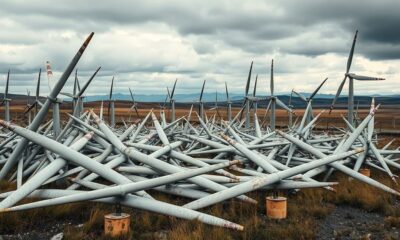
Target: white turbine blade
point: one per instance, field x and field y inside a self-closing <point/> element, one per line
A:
<point x="67" y="94"/>
<point x="364" y="78"/>
<point x="301" y="96"/>
<point x="282" y="105"/>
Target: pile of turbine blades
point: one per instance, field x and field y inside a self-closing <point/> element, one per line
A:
<point x="206" y="159"/>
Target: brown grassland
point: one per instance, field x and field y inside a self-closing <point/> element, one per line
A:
<point x="305" y="209"/>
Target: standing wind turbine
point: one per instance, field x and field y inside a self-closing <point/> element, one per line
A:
<point x="55" y="102"/>
<point x="229" y="104"/>
<point x="111" y="105"/>
<point x="6" y="101"/>
<point x="351" y="77"/>
<point x="77" y="98"/>
<point x="275" y="100"/>
<point x="309" y="100"/>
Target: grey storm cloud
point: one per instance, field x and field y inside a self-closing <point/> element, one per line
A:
<point x="150" y="43"/>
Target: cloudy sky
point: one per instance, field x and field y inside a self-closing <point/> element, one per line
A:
<point x="146" y="45"/>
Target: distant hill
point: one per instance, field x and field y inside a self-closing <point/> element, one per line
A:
<point x="319" y="101"/>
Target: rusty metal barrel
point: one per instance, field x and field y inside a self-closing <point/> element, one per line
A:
<point x="365" y="172"/>
<point x="276" y="207"/>
<point x="117" y="225"/>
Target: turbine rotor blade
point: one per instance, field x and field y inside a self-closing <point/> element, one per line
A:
<point x="255" y="86"/>
<point x="248" y="79"/>
<point x="130" y="91"/>
<point x="173" y="90"/>
<point x="283" y="105"/>
<point x="272" y="78"/>
<point x="350" y="59"/>
<point x="81" y="91"/>
<point x="38" y="84"/>
<point x="363" y="78"/>
<point x="316" y="90"/>
<point x="337" y="93"/>
<point x="202" y="90"/>
<point x="227" y="93"/>
<point x="111" y="88"/>
<point x="75" y="82"/>
<point x="301" y="96"/>
<point x="30" y="108"/>
<point x="8" y="81"/>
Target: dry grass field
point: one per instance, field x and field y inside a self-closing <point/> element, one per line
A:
<point x="307" y="210"/>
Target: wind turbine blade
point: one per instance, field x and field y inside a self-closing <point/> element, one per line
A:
<point x="169" y="94"/>
<point x="173" y="90"/>
<point x="30" y="108"/>
<point x="266" y="113"/>
<point x="7" y="83"/>
<point x="136" y="110"/>
<point x="248" y="79"/>
<point x="337" y="93"/>
<point x="101" y="110"/>
<point x="202" y="90"/>
<point x="301" y="96"/>
<point x="283" y="105"/>
<point x="255" y="86"/>
<point x="111" y="88"/>
<point x="166" y="98"/>
<point x="38" y="84"/>
<point x="81" y="91"/>
<point x="75" y="82"/>
<point x="67" y="94"/>
<point x="350" y="59"/>
<point x="241" y="112"/>
<point x="130" y="91"/>
<point x="272" y="78"/>
<point x="363" y="78"/>
<point x="227" y="93"/>
<point x="316" y="90"/>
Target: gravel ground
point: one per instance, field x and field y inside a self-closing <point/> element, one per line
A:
<point x="352" y="223"/>
<point x="47" y="231"/>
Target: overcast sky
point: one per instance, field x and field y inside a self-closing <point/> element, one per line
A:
<point x="146" y="45"/>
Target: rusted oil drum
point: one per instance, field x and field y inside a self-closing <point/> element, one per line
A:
<point x="276" y="207"/>
<point x="365" y="172"/>
<point x="116" y="225"/>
